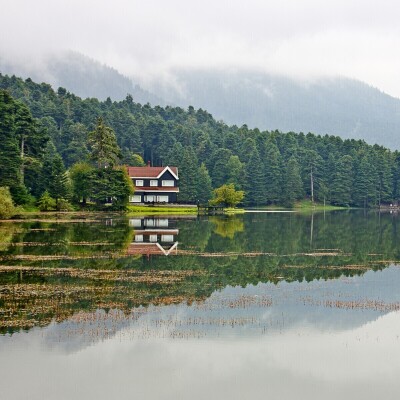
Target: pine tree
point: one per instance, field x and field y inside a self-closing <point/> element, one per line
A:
<point x="204" y="187"/>
<point x="293" y="189"/>
<point x="10" y="160"/>
<point x="273" y="176"/>
<point x="255" y="180"/>
<point x="364" y="185"/>
<point x="104" y="148"/>
<point x="188" y="177"/>
<point x="58" y="180"/>
<point x="236" y="172"/>
<point x="342" y="182"/>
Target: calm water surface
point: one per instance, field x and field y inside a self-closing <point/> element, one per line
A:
<point x="252" y="306"/>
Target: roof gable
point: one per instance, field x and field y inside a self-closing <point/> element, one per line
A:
<point x="151" y="172"/>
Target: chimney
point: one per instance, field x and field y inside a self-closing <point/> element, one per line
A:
<point x="148" y="163"/>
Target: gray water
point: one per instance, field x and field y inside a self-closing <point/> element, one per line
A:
<point x="256" y="306"/>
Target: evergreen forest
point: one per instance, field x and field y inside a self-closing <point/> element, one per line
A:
<point x="48" y="147"/>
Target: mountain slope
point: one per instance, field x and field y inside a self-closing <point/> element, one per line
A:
<point x="336" y="106"/>
<point x="80" y="75"/>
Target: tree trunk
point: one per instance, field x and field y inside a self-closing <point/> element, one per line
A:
<point x="22" y="168"/>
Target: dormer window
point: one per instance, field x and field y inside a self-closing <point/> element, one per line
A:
<point x="139" y="182"/>
<point x="167" y="183"/>
<point x="153" y="182"/>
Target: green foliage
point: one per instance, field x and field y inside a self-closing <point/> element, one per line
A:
<point x="10" y="160"/>
<point x="255" y="179"/>
<point x="103" y="144"/>
<point x="134" y="160"/>
<point x="272" y="167"/>
<point x="64" y="205"/>
<point x="46" y="202"/>
<point x="227" y="195"/>
<point x="204" y="187"/>
<point x="80" y="180"/>
<point x="293" y="185"/>
<point x="110" y="188"/>
<point x="7" y="207"/>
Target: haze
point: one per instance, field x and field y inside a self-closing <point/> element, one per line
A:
<point x="302" y="39"/>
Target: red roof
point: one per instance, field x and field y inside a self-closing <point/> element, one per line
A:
<point x="148" y="172"/>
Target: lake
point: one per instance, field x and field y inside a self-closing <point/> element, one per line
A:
<point x="259" y="305"/>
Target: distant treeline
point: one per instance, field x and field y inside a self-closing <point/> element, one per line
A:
<point x="271" y="167"/>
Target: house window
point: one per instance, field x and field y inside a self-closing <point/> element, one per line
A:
<point x="163" y="199"/>
<point x="167" y="238"/>
<point x="149" y="198"/>
<point x="136" y="223"/>
<point x="135" y="199"/>
<point x="138" y="238"/>
<point x="167" y="183"/>
<point x="153" y="238"/>
<point x="139" y="182"/>
<point x="154" y="182"/>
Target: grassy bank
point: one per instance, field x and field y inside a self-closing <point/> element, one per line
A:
<point x="159" y="210"/>
<point x="230" y="210"/>
<point x="307" y="205"/>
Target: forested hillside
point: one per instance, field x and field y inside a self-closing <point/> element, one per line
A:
<point x="339" y="106"/>
<point x="271" y="167"/>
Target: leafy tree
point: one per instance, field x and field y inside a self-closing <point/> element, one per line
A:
<point x="137" y="161"/>
<point x="227" y="194"/>
<point x="80" y="174"/>
<point x="7" y="207"/>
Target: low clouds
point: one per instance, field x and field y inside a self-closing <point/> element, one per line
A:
<point x="305" y="39"/>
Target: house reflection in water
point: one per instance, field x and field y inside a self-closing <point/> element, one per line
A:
<point x="153" y="236"/>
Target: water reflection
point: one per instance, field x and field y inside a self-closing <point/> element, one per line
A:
<point x="51" y="271"/>
<point x="153" y="236"/>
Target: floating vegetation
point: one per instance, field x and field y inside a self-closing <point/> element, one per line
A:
<point x="52" y="270"/>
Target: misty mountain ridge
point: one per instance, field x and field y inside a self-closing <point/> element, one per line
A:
<point x="336" y="106"/>
<point x="80" y="75"/>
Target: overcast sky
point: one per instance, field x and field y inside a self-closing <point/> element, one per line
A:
<point x="303" y="38"/>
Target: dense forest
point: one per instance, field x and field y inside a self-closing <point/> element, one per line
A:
<point x="50" y="134"/>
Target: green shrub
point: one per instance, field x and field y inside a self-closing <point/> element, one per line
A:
<point x="7" y="207"/>
<point x="46" y="202"/>
<point x="64" y="205"/>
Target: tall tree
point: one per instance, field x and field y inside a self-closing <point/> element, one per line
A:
<point x="342" y="182"/>
<point x="255" y="180"/>
<point x="273" y="172"/>
<point x="204" y="187"/>
<point x="293" y="189"/>
<point x="104" y="148"/>
<point x="188" y="176"/>
<point x="10" y="158"/>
